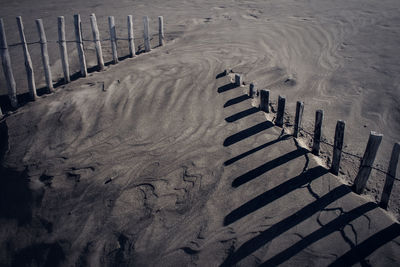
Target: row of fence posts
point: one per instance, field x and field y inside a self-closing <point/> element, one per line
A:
<point x="6" y="61"/>
<point x="369" y="154"/>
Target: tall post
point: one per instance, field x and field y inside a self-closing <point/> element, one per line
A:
<point x="45" y="55"/>
<point x="97" y="43"/>
<point x="238" y="80"/>
<point x="281" y="111"/>
<point x="131" y="38"/>
<point x="161" y="30"/>
<point x="368" y="159"/>
<point x="264" y="100"/>
<point x="63" y="48"/>
<point x="251" y="90"/>
<point x="6" y="62"/>
<point x="146" y="34"/>
<point x="113" y="38"/>
<point x="298" y="117"/>
<point x="390" y="177"/>
<point x="337" y="147"/>
<point x="319" y="115"/>
<point x="79" y="44"/>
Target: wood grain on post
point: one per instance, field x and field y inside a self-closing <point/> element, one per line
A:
<point x="62" y="43"/>
<point x="6" y="62"/>
<point x="238" y="80"/>
<point x="79" y="45"/>
<point x="366" y="163"/>
<point x="337" y="147"/>
<point x="264" y="100"/>
<point x="319" y="116"/>
<point x="113" y="38"/>
<point x="45" y="55"/>
<point x="97" y="43"/>
<point x="298" y="117"/>
<point x="390" y="177"/>
<point x="146" y="34"/>
<point x="281" y="111"/>
<point x="131" y="38"/>
<point x="161" y="30"/>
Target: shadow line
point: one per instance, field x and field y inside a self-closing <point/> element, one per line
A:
<point x="220" y="75"/>
<point x="236" y="100"/>
<point x="247" y="133"/>
<point x="242" y="114"/>
<point x="226" y="87"/>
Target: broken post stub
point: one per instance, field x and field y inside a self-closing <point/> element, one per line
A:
<point x="281" y="111"/>
<point x="264" y="100"/>
<point x="319" y="115"/>
<point x="238" y="80"/>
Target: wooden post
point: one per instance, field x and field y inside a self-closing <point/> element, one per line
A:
<point x="281" y="111"/>
<point x="146" y="34"/>
<point x="390" y="177"/>
<point x="319" y="116"/>
<point x="161" y="30"/>
<point x="132" y="51"/>
<point x="97" y="43"/>
<point x="63" y="49"/>
<point x="113" y="38"/>
<point x="45" y="55"/>
<point x="337" y="147"/>
<point x="79" y="44"/>
<point x="298" y="117"/>
<point x="368" y="159"/>
<point x="251" y="90"/>
<point x="264" y="100"/>
<point x="238" y="80"/>
<point x="6" y="62"/>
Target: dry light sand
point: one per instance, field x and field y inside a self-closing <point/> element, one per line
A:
<point x="160" y="161"/>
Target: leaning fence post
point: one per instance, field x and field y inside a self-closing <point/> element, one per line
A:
<point x="146" y="34"/>
<point x="366" y="163"/>
<point x="337" y="147"/>
<point x="45" y="55"/>
<point x="298" y="117"/>
<point x="97" y="43"/>
<point x="238" y="80"/>
<point x="63" y="48"/>
<point x="113" y="38"/>
<point x="161" y="30"/>
<point x="281" y="111"/>
<point x="6" y="61"/>
<point x="390" y="177"/>
<point x="131" y="37"/>
<point x="319" y="115"/>
<point x="264" y="100"/>
<point x="79" y="44"/>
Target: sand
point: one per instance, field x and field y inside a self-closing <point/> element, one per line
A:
<point x="155" y="161"/>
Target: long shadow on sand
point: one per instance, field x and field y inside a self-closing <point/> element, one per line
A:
<point x="227" y="87"/>
<point x="247" y="132"/>
<point x="242" y="114"/>
<point x="236" y="100"/>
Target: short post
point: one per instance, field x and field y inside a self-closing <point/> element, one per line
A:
<point x="366" y="163"/>
<point x="146" y="34"/>
<point x="79" y="44"/>
<point x="264" y="100"/>
<point x="390" y="177"/>
<point x="319" y="115"/>
<point x="298" y="117"/>
<point x="97" y="43"/>
<point x="161" y="30"/>
<point x="63" y="48"/>
<point x="251" y="90"/>
<point x="45" y="55"/>
<point x="238" y="80"/>
<point x="132" y="51"/>
<point x="337" y="147"/>
<point x="113" y="38"/>
<point x="6" y="62"/>
<point x="281" y="111"/>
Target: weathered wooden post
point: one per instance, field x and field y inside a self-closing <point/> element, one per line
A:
<point x="45" y="55"/>
<point x="390" y="177"/>
<point x="264" y="100"/>
<point x="146" y="34"/>
<point x="28" y="61"/>
<point x="319" y="115"/>
<point x="132" y="51"/>
<point x="63" y="48"/>
<point x="79" y="45"/>
<point x="298" y="117"/>
<point x="238" y="80"/>
<point x="97" y="43"/>
<point x="251" y="90"/>
<point x="281" y="111"/>
<point x="6" y="62"/>
<point x="337" y="147"/>
<point x="366" y="163"/>
<point x="161" y="30"/>
<point x="113" y="38"/>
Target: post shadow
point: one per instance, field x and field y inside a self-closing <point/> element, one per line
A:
<point x="334" y="225"/>
<point x="247" y="133"/>
<point x="236" y="100"/>
<point x="281" y="227"/>
<point x="221" y="74"/>
<point x="242" y="114"/>
<point x="254" y="173"/>
<point x="227" y="87"/>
